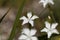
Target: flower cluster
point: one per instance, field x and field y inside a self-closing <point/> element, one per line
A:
<point x="29" y="34"/>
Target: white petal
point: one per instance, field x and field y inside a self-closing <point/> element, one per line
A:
<point x="45" y="2"/>
<point x="54" y="25"/>
<point x="23" y="18"/>
<point x="55" y="31"/>
<point x="33" y="32"/>
<point x="34" y="38"/>
<point x="49" y="34"/>
<point x="26" y="31"/>
<point x="24" y="22"/>
<point x="44" y="5"/>
<point x="31" y="22"/>
<point x="44" y="30"/>
<point x="29" y="15"/>
<point x="34" y="17"/>
<point x="22" y="37"/>
<point x="51" y="1"/>
<point x="47" y="24"/>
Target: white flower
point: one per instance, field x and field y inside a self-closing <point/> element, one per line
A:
<point x="50" y="29"/>
<point x="28" y="34"/>
<point x="30" y="19"/>
<point x="45" y="2"/>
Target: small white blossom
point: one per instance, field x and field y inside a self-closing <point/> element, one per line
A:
<point x="28" y="34"/>
<point x="50" y="29"/>
<point x="49" y="17"/>
<point x="30" y="19"/>
<point x="45" y="2"/>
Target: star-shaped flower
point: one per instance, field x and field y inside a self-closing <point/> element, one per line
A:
<point x="50" y="29"/>
<point x="45" y="2"/>
<point x="28" y="34"/>
<point x="30" y="19"/>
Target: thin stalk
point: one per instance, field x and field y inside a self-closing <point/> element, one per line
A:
<point x="51" y="13"/>
<point x="52" y="16"/>
<point x="17" y="21"/>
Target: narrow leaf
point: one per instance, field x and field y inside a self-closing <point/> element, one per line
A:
<point x="13" y="32"/>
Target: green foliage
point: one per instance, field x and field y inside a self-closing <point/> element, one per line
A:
<point x="17" y="21"/>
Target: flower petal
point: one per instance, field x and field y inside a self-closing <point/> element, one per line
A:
<point x="22" y="37"/>
<point x="34" y="17"/>
<point x="47" y="24"/>
<point x="44" y="5"/>
<point x="54" y="25"/>
<point x="55" y="31"/>
<point x="44" y="30"/>
<point x="33" y="32"/>
<point x="26" y="31"/>
<point x="49" y="34"/>
<point x="51" y="1"/>
<point x="31" y="22"/>
<point x="23" y="18"/>
<point x="44" y="2"/>
<point x="34" y="38"/>
<point x="24" y="22"/>
<point x="29" y="15"/>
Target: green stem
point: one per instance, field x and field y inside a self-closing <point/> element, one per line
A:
<point x="51" y="13"/>
<point x="13" y="32"/>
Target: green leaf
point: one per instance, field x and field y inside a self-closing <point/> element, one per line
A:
<point x="17" y="21"/>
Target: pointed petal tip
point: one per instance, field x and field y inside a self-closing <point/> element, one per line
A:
<point x="58" y="32"/>
<point x="29" y="15"/>
<point x="34" y="17"/>
<point x="20" y="18"/>
<point x="23" y="18"/>
<point x="42" y="30"/>
<point x="55" y="23"/>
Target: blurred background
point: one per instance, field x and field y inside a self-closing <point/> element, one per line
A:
<point x="11" y="8"/>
